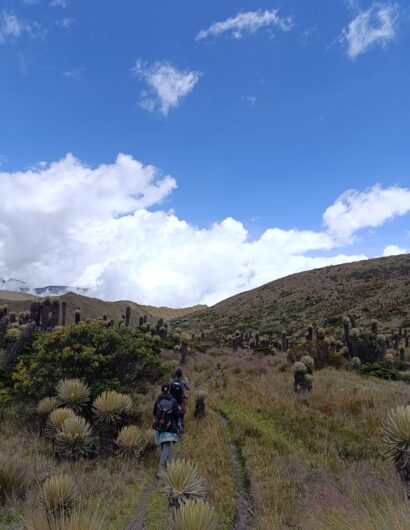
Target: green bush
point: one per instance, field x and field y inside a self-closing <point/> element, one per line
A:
<point x="378" y="370"/>
<point x="104" y="358"/>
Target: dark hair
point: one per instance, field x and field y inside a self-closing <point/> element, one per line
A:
<point x="165" y="388"/>
<point x="178" y="373"/>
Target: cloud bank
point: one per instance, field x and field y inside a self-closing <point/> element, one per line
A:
<point x="376" y="26"/>
<point x="166" y="85"/>
<point x="66" y="223"/>
<point x="248" y="22"/>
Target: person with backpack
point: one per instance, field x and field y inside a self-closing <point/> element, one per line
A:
<point x="166" y="416"/>
<point x="178" y="386"/>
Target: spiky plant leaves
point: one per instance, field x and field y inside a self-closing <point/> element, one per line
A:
<point x="308" y="361"/>
<point x="73" y="393"/>
<point x="112" y="408"/>
<point x="60" y="494"/>
<point x="46" y="406"/>
<point x="74" y="440"/>
<point x="356" y="362"/>
<point x="200" y="395"/>
<point x="13" y="478"/>
<point x="196" y="514"/>
<point x="112" y="411"/>
<point x="182" y="482"/>
<point x="130" y="442"/>
<point x="396" y="435"/>
<point x="81" y="518"/>
<point x="299" y="368"/>
<point x="56" y="420"/>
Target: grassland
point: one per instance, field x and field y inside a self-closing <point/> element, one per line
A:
<point x="302" y="457"/>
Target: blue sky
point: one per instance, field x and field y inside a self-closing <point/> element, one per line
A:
<point x="262" y="112"/>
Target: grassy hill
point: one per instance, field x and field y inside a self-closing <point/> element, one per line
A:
<point x="94" y="308"/>
<point x="377" y="288"/>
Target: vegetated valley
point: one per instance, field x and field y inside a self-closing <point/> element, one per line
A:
<point x="305" y="385"/>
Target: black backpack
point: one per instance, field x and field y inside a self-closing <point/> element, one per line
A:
<point x="177" y="391"/>
<point x="163" y="417"/>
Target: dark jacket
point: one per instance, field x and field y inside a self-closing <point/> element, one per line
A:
<point x="175" y="410"/>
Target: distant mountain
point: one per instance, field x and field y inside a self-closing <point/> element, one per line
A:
<point x="12" y="284"/>
<point x="371" y="289"/>
<point x="94" y="308"/>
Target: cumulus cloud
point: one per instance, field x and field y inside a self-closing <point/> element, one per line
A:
<point x="166" y="85"/>
<point x="66" y="223"/>
<point x="248" y="22"/>
<point x="371" y="208"/>
<point x="376" y="26"/>
<point x="393" y="250"/>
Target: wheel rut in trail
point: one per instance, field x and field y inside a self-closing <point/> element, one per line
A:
<point x="244" y="507"/>
<point x="142" y="509"/>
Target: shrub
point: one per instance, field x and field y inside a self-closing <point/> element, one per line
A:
<point x="396" y="435"/>
<point x="130" y="441"/>
<point x="182" y="482"/>
<point x="404" y="376"/>
<point x="74" y="439"/>
<point x="73" y="393"/>
<point x="56" y="419"/>
<point x="195" y="514"/>
<point x="13" y="478"/>
<point x="60" y="494"/>
<point x="104" y="358"/>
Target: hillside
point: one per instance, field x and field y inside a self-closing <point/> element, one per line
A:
<point x="377" y="288"/>
<point x="14" y="296"/>
<point x="94" y="308"/>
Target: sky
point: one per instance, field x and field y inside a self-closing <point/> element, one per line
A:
<point x="175" y="153"/>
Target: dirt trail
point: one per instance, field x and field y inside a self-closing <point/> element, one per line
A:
<point x="244" y="512"/>
<point x="142" y="508"/>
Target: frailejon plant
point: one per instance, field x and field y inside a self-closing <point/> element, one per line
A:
<point x="46" y="406"/>
<point x="13" y="478"/>
<point x="130" y="442"/>
<point x="74" y="440"/>
<point x="195" y="514"/>
<point x="82" y="518"/>
<point x="111" y="411"/>
<point x="55" y="421"/>
<point x="396" y="435"/>
<point x="73" y="393"/>
<point x="200" y="396"/>
<point x="60" y="494"/>
<point x="182" y="482"/>
<point x="309" y="362"/>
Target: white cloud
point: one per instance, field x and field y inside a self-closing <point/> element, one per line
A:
<point x="59" y="3"/>
<point x="376" y="26"/>
<point x="167" y="85"/>
<point x="74" y="74"/>
<point x="393" y="250"/>
<point x="371" y="208"/>
<point x="10" y="27"/>
<point x="248" y="22"/>
<point x="69" y="224"/>
<point x="65" y="23"/>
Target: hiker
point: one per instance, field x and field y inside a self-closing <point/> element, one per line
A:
<point x="166" y="416"/>
<point x="177" y="388"/>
